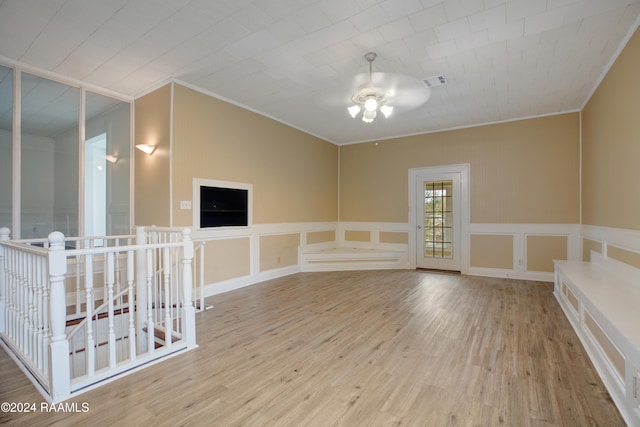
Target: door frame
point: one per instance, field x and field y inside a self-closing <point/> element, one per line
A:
<point x="465" y="218"/>
<point x="453" y="263"/>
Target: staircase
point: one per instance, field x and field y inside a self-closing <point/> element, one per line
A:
<point x="75" y="314"/>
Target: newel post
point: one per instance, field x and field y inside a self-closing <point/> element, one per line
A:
<point x="5" y="234"/>
<point x="188" y="310"/>
<point x="60" y="386"/>
<point x="141" y="290"/>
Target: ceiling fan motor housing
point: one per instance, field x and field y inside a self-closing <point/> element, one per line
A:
<point x="360" y="97"/>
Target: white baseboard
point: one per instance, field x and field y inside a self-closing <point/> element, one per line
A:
<point x="241" y="282"/>
<point x="510" y="274"/>
<point x="399" y="254"/>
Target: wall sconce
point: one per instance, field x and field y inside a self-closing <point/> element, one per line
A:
<point x="147" y="148"/>
<point x="111" y="158"/>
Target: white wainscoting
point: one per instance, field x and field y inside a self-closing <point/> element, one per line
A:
<point x="369" y="254"/>
<point x="619" y="237"/>
<point x="520" y="232"/>
<point x="254" y="233"/>
<point x="374" y="229"/>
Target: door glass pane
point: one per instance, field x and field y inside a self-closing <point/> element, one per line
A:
<point x="107" y="129"/>
<point x="438" y="219"/>
<point x="49" y="157"/>
<point x="6" y="144"/>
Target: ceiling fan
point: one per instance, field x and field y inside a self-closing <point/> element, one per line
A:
<point x="385" y="93"/>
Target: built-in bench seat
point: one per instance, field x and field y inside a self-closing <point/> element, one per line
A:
<point x="601" y="299"/>
<point x="339" y="258"/>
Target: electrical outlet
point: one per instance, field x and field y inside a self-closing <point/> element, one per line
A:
<point x="185" y="204"/>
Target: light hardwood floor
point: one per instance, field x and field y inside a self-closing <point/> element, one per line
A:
<point x="390" y="348"/>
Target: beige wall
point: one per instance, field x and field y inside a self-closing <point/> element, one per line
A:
<point x="278" y="251"/>
<point x="542" y="250"/>
<point x="623" y="255"/>
<point x="521" y="172"/>
<point x="320" y="237"/>
<point x="611" y="145"/>
<point x="491" y="251"/>
<point x="589" y="245"/>
<point x="152" y="126"/>
<point x="226" y="259"/>
<point x="394" y="237"/>
<point x="294" y="175"/>
<point x="357" y="236"/>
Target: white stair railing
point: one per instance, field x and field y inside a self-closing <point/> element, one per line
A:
<point x="198" y="278"/>
<point x="24" y="303"/>
<point x="153" y="234"/>
<point x="68" y="344"/>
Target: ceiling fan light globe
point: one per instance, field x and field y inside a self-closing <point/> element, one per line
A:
<point x="368" y="116"/>
<point x="386" y="110"/>
<point x="354" y="110"/>
<point x="371" y="104"/>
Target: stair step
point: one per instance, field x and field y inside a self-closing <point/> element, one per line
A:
<point x="100" y="344"/>
<point x="159" y="337"/>
<point x="118" y="312"/>
<point x="157" y="333"/>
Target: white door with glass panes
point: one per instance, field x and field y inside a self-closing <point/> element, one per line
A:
<point x="438" y="221"/>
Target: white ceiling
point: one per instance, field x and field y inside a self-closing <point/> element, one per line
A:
<point x="294" y="60"/>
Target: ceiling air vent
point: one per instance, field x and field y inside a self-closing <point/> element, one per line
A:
<point x="435" y="81"/>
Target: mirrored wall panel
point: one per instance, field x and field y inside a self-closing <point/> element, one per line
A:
<point x="49" y="157"/>
<point x="67" y="167"/>
<point x="6" y="152"/>
<point x="107" y="165"/>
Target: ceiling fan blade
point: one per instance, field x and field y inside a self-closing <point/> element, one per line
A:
<point x="333" y="97"/>
<point x="405" y="92"/>
<point x="339" y="94"/>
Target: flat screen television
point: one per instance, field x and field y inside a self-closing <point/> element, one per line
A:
<point x="223" y="207"/>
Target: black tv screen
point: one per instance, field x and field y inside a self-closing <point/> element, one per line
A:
<point x="223" y="207"/>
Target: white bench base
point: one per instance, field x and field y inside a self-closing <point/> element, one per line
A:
<point x="601" y="299"/>
<point x="349" y="258"/>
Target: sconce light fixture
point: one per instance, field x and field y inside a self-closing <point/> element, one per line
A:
<point x="111" y="158"/>
<point x="147" y="148"/>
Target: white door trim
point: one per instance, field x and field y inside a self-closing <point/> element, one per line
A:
<point x="465" y="217"/>
<point x="438" y="262"/>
